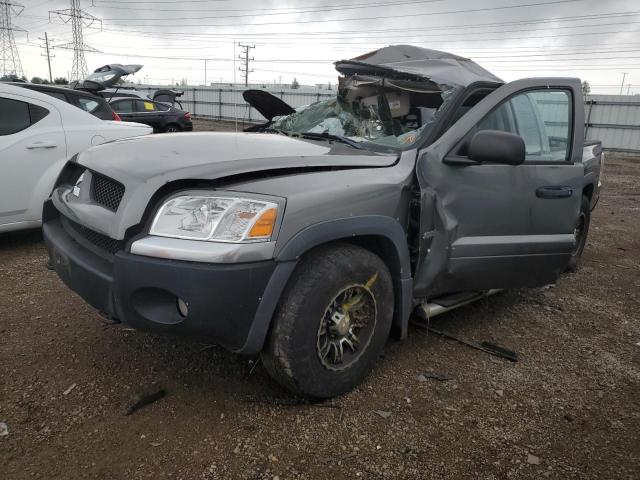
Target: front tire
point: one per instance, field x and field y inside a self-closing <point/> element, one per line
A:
<point x="332" y="322"/>
<point x="581" y="231"/>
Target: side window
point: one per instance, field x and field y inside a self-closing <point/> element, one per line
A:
<point x="123" y="106"/>
<point x="88" y="104"/>
<point x="542" y="118"/>
<point x="17" y="116"/>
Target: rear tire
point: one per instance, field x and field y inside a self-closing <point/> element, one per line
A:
<point x="581" y="231"/>
<point x="172" y="128"/>
<point x="332" y="322"/>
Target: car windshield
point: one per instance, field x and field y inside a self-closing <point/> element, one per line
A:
<point x="372" y="111"/>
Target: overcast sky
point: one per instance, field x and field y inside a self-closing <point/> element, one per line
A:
<point x="595" y="40"/>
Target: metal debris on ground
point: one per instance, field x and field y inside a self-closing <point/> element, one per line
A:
<point x="291" y="402"/>
<point x="486" y="347"/>
<point x="68" y="390"/>
<point x="501" y="351"/>
<point x="433" y="376"/>
<point x="4" y="429"/>
<point x="153" y="393"/>
<point x="382" y="413"/>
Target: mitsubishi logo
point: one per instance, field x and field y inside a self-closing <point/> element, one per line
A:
<point x="78" y="184"/>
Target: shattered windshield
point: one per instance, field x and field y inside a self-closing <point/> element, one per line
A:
<point x="379" y="111"/>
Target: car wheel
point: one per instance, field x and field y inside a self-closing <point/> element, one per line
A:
<point x="332" y="322"/>
<point x="580" y="232"/>
<point x="172" y="128"/>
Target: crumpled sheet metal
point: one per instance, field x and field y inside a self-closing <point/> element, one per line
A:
<point x="440" y="67"/>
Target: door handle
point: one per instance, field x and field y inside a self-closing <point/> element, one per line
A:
<point x="554" y="192"/>
<point x="34" y="145"/>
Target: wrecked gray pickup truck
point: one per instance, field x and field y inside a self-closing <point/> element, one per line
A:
<point x="426" y="182"/>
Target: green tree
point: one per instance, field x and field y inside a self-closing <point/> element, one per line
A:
<point x="295" y="85"/>
<point x="12" y="78"/>
<point x="36" y="80"/>
<point x="586" y="88"/>
<point x="60" y="81"/>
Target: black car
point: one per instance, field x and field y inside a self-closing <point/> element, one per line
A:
<point x="160" y="116"/>
<point x="87" y="101"/>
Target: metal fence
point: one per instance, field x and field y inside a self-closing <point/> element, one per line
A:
<point x="226" y="103"/>
<point x="613" y="119"/>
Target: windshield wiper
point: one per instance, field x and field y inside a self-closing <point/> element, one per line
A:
<point x="331" y="136"/>
<point x="273" y="130"/>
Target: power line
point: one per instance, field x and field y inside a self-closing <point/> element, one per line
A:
<point x="271" y="11"/>
<point x="9" y="56"/>
<point x="382" y="17"/>
<point x="368" y="34"/>
<point x="79" y="19"/>
<point x="383" y="39"/>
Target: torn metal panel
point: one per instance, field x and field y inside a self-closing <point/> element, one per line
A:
<point x="440" y="67"/>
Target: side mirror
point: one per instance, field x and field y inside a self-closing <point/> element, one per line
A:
<point x="496" y="146"/>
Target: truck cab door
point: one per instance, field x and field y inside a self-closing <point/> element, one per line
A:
<point x="487" y="225"/>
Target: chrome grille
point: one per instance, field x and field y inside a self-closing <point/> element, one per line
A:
<point x="106" y="192"/>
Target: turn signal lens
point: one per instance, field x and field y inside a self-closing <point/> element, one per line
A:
<point x="264" y="225"/>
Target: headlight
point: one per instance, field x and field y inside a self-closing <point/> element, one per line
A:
<point x="216" y="219"/>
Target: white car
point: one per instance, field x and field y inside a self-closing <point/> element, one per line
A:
<point x="38" y="134"/>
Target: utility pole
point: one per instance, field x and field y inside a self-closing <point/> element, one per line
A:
<point x="244" y="57"/>
<point x="47" y="53"/>
<point x="624" y="75"/>
<point x="9" y="57"/>
<point x="628" y="88"/>
<point x="79" y="19"/>
<point x="205" y="72"/>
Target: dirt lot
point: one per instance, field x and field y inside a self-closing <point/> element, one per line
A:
<point x="570" y="408"/>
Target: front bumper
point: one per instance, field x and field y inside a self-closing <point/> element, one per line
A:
<point x="224" y="300"/>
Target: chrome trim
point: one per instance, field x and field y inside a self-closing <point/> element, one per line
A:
<point x="202" y="251"/>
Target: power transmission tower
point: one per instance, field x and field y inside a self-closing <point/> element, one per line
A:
<point x="244" y="57"/>
<point x="9" y="57"/>
<point x="47" y="53"/>
<point x="79" y="19"/>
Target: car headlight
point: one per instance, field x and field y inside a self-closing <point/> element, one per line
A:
<point x="216" y="219"/>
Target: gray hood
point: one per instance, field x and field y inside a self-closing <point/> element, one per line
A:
<point x="143" y="165"/>
<point x="440" y="67"/>
<point x="214" y="155"/>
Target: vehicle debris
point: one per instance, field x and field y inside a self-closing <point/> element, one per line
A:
<point x="382" y="413"/>
<point x="486" y="347"/>
<point x="500" y="351"/>
<point x="291" y="402"/>
<point x="433" y="376"/>
<point x="68" y="390"/>
<point x="152" y="394"/>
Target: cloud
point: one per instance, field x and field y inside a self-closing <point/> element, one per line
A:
<point x="514" y="42"/>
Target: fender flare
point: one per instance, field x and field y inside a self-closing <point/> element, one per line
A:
<point x="315" y="235"/>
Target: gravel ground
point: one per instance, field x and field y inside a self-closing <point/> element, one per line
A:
<point x="570" y="408"/>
